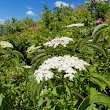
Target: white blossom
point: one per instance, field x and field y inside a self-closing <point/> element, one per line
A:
<point x="58" y="41"/>
<point x="70" y="75"/>
<point x="77" y="25"/>
<point x="66" y="63"/>
<point x="5" y="44"/>
<point x="32" y="49"/>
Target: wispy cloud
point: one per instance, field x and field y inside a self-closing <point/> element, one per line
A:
<point x="30" y="13"/>
<point x="2" y="21"/>
<point x="59" y="3"/>
<point x="42" y="2"/>
<point x="30" y="8"/>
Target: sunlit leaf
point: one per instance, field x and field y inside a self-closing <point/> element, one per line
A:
<point x="98" y="29"/>
<point x="96" y="47"/>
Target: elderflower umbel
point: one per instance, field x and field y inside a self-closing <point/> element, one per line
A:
<point x="77" y="25"/>
<point x="5" y="44"/>
<point x="57" y="41"/>
<point x="66" y="63"/>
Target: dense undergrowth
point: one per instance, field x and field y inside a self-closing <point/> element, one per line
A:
<point x="30" y="60"/>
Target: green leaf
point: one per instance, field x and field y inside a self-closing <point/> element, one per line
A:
<point x="81" y="42"/>
<point x="84" y="104"/>
<point x="50" y="83"/>
<point x="1" y="98"/>
<point x="40" y="102"/>
<point x="91" y="107"/>
<point x="38" y="57"/>
<point x="53" y="108"/>
<point x="54" y="92"/>
<point x="95" y="108"/>
<point x="101" y="99"/>
<point x="101" y="84"/>
<point x="98" y="29"/>
<point x="78" y="95"/>
<point x="96" y="47"/>
<point x="93" y="92"/>
<point x="37" y="60"/>
<point x="68" y="91"/>
<point x="101" y="78"/>
<point x="48" y="103"/>
<point x="35" y="88"/>
<point x="36" y="64"/>
<point x="17" y="54"/>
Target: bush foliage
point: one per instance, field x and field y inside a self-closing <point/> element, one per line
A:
<point x="89" y="90"/>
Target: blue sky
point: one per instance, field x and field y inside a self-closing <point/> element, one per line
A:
<point x="30" y="8"/>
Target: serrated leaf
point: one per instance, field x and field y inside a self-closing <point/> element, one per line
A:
<point x="101" y="78"/>
<point x="96" y="47"/>
<point x="99" y="83"/>
<point x="101" y="99"/>
<point x="98" y="29"/>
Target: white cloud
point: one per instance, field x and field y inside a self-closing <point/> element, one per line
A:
<point x="30" y="13"/>
<point x="59" y="3"/>
<point x="2" y="21"/>
<point x="29" y="8"/>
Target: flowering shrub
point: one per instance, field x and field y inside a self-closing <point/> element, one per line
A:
<point x="72" y="75"/>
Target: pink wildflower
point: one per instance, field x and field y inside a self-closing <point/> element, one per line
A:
<point x="83" y="10"/>
<point x="99" y="21"/>
<point x="35" y="27"/>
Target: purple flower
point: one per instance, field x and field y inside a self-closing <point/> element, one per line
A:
<point x="83" y="10"/>
<point x="35" y="27"/>
<point x="99" y="21"/>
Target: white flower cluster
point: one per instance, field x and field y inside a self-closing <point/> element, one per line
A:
<point x="55" y="42"/>
<point x="77" y="25"/>
<point x="5" y="44"/>
<point x="66" y="63"/>
<point x="32" y="49"/>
